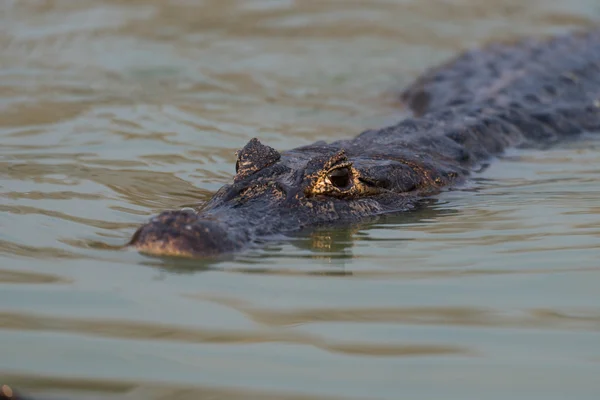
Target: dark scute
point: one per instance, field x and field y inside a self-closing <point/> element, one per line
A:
<point x="418" y="101"/>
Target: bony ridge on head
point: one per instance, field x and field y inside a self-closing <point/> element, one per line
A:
<point x="253" y="157"/>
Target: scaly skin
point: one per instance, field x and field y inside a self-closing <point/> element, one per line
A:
<point x="466" y="111"/>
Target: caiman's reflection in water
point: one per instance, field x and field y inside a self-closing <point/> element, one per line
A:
<point x="331" y="246"/>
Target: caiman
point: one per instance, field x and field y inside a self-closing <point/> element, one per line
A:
<point x="465" y="112"/>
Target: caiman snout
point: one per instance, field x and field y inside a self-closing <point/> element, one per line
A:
<point x="183" y="233"/>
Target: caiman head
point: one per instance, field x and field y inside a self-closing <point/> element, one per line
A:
<point x="275" y="193"/>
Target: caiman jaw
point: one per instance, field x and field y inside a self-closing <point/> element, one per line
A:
<point x="184" y="234"/>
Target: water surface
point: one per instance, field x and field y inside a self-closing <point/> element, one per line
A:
<point x="111" y="111"/>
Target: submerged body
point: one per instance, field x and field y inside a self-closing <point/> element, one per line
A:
<point x="466" y="111"/>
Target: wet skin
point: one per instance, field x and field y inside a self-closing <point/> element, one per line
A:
<point x="465" y="112"/>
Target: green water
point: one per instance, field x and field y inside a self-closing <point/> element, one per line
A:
<point x="111" y="111"/>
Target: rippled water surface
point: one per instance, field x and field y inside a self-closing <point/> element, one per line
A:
<point x="111" y="111"/>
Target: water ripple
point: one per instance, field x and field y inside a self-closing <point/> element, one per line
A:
<point x="152" y="331"/>
<point x="10" y="276"/>
<point x="122" y="389"/>
<point x="588" y="319"/>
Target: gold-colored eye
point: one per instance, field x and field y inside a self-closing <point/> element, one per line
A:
<point x="339" y="177"/>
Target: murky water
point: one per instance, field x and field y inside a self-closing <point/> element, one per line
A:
<point x="111" y="111"/>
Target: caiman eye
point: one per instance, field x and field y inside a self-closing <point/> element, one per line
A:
<point x="340" y="178"/>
